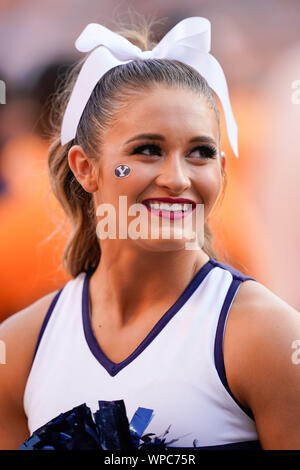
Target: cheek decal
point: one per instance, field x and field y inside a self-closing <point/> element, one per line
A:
<point x="121" y="171"/>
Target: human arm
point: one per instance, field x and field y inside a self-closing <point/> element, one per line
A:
<point x="18" y="336"/>
<point x="258" y="355"/>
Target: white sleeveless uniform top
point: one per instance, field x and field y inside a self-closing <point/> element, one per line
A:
<point x="177" y="370"/>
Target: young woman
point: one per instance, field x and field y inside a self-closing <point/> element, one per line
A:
<point x="148" y="320"/>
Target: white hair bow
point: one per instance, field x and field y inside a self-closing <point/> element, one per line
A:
<point x="187" y="42"/>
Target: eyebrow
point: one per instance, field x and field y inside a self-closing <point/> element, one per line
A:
<point x="199" y="138"/>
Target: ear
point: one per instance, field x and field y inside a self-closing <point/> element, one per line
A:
<point x="223" y="162"/>
<point x="83" y="168"/>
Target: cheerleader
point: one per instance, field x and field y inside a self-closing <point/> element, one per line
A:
<point x="156" y="321"/>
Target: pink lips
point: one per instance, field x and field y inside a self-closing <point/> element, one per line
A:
<point x="168" y="214"/>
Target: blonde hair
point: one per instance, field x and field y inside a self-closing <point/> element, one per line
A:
<point x="82" y="251"/>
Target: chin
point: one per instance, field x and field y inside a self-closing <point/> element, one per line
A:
<point x="162" y="245"/>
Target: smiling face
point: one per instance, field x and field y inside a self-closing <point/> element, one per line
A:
<point x="169" y="139"/>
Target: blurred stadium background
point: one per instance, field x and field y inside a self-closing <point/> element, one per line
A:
<point x="257" y="226"/>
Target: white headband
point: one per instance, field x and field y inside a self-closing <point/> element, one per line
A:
<point x="187" y="42"/>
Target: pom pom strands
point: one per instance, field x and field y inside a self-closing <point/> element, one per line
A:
<point x="107" y="429"/>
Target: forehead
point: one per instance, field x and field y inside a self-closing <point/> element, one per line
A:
<point x="172" y="112"/>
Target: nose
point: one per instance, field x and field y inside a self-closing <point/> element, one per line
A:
<point x="173" y="175"/>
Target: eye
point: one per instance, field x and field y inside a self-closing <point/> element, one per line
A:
<point x="147" y="149"/>
<point x="206" y="151"/>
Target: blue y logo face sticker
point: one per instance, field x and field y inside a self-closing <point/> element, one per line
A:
<point x="121" y="171"/>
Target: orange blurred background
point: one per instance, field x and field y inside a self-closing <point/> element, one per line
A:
<point x="256" y="229"/>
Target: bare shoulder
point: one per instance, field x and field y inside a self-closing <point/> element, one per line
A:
<point x="257" y="310"/>
<point x="18" y="334"/>
<point x="252" y="293"/>
<point x="260" y="359"/>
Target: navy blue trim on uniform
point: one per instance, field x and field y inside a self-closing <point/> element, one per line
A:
<point x="46" y="319"/>
<point x="238" y="277"/>
<point x="113" y="368"/>
<point x="233" y="271"/>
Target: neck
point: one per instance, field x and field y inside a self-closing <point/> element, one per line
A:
<point x="127" y="283"/>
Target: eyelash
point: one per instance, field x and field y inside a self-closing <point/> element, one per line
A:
<point x="208" y="150"/>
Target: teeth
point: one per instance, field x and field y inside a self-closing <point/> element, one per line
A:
<point x="163" y="206"/>
<point x="176" y="207"/>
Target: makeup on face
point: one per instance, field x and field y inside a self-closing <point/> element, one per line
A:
<point x="170" y="208"/>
